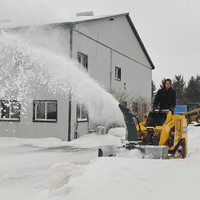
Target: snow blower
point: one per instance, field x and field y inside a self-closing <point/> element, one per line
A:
<point x="160" y="135"/>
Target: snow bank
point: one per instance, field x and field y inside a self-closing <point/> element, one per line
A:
<point x="61" y="174"/>
<point x="87" y="141"/>
<point x="193" y="138"/>
<point x="94" y="140"/>
<point x="122" y="178"/>
<point x="127" y="177"/>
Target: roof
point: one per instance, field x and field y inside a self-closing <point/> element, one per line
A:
<point x="139" y="40"/>
<point x="4" y="24"/>
<point x="7" y="23"/>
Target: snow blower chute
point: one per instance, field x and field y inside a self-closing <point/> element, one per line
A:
<point x="159" y="135"/>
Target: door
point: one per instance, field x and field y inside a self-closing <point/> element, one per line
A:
<point x="82" y="122"/>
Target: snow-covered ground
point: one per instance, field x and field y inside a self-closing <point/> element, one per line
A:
<point x="44" y="169"/>
<point x="25" y="163"/>
<point x="24" y="168"/>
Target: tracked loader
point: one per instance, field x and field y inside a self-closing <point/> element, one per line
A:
<point x="161" y="135"/>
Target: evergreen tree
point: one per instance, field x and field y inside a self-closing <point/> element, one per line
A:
<point x="198" y="88"/>
<point x="193" y="90"/>
<point x="153" y="90"/>
<point x="162" y="83"/>
<point x="179" y="86"/>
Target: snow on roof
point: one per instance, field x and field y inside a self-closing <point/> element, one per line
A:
<point x="4" y="24"/>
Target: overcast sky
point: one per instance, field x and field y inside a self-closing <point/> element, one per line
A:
<point x="169" y="29"/>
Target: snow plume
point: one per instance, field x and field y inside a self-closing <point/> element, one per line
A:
<point x="27" y="69"/>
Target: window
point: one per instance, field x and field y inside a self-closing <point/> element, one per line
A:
<point x="82" y="114"/>
<point x="10" y="110"/>
<point x="135" y="107"/>
<point x="124" y="104"/>
<point x="118" y="73"/>
<point x="83" y="60"/>
<point x="44" y="111"/>
<point x="192" y="106"/>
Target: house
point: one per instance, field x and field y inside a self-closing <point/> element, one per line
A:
<point x="111" y="51"/>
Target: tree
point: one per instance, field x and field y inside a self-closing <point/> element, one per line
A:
<point x="193" y="89"/>
<point x="162" y="83"/>
<point x="123" y="97"/>
<point x="179" y="86"/>
<point x="138" y="105"/>
<point x="153" y="90"/>
<point x="198" y="88"/>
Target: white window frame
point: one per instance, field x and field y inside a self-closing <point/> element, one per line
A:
<point x="10" y="108"/>
<point x="81" y="111"/>
<point x="85" y="65"/>
<point x="36" y="103"/>
<point x="117" y="69"/>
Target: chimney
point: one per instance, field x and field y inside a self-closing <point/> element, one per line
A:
<point x="81" y="14"/>
<point x="5" y="20"/>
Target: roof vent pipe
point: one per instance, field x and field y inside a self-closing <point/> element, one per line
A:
<point x="5" y="20"/>
<point x="80" y="14"/>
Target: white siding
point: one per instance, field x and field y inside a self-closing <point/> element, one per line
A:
<point x="104" y="35"/>
<point x="97" y="40"/>
<point x="26" y="128"/>
<point x="116" y="34"/>
<point x="98" y="58"/>
<point x="137" y="78"/>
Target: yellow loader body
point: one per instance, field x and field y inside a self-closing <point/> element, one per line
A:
<point x="165" y="129"/>
<point x="193" y="115"/>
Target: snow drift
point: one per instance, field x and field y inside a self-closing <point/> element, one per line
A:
<point x="127" y="178"/>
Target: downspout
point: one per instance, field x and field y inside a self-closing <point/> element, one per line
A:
<point x="111" y="57"/>
<point x="70" y="95"/>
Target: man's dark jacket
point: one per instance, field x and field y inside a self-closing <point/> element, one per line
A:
<point x="165" y="99"/>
